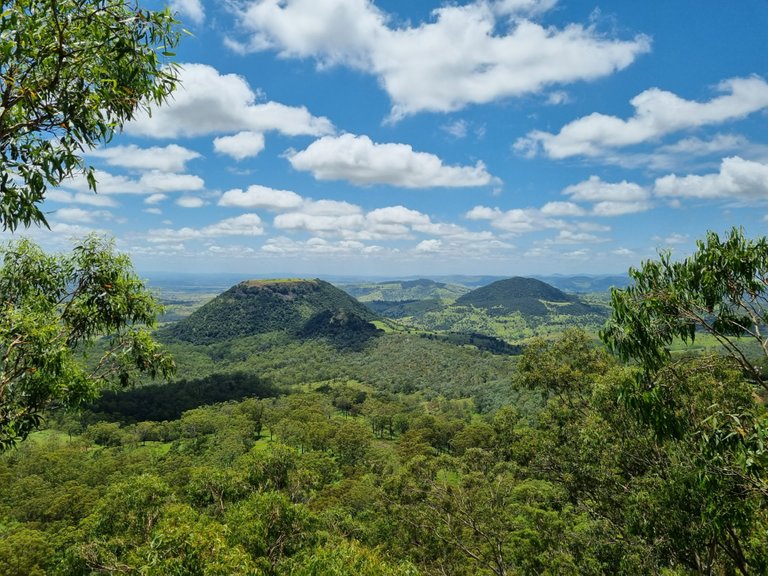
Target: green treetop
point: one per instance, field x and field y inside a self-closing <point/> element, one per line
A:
<point x="52" y="307"/>
<point x="72" y="72"/>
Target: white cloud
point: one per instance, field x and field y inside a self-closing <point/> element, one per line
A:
<point x="570" y="237"/>
<point x="241" y="145"/>
<point x="333" y="31"/>
<point x="155" y="198"/>
<point x="331" y="218"/>
<point x="87" y="198"/>
<point x="557" y="98"/>
<point x="190" y="202"/>
<point x="397" y="215"/>
<point x="207" y="102"/>
<point x="610" y="199"/>
<point x="657" y="113"/>
<point x="261" y="197"/>
<point x="155" y="211"/>
<point x="319" y="223"/>
<point x="562" y="209"/>
<point x="523" y="7"/>
<point x="737" y="179"/>
<point x="243" y="225"/>
<point x="81" y="216"/>
<point x="148" y="183"/>
<point x="171" y="158"/>
<point x="363" y="162"/>
<point x="458" y="58"/>
<point x="457" y="129"/>
<point x="168" y="182"/>
<point x="515" y="221"/>
<point x="192" y="9"/>
<point x="282" y="246"/>
<point x="74" y="230"/>
<point x="429" y="246"/>
<point x="672" y="239"/>
<point x="231" y="251"/>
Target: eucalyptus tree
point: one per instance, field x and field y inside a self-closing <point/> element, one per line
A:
<point x="72" y="73"/>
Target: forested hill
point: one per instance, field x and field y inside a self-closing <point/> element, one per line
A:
<point x="524" y="295"/>
<point x="303" y="308"/>
<point x="404" y="290"/>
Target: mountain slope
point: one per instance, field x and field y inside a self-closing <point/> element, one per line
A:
<point x="525" y="295"/>
<point x="513" y="309"/>
<point x="303" y="308"/>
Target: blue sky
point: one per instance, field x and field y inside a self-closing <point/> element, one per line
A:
<point x="508" y="137"/>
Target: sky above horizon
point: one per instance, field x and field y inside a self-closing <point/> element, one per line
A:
<point x="399" y="138"/>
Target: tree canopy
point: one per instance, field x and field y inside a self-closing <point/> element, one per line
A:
<point x="53" y="307"/>
<point x="719" y="290"/>
<point x="72" y="72"/>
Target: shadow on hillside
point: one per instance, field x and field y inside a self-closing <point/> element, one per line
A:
<point x="345" y="331"/>
<point x="159" y="402"/>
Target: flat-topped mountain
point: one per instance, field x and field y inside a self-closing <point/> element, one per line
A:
<point x="305" y="308"/>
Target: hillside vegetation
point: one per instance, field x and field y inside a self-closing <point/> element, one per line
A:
<point x="298" y="307"/>
<point x="405" y="290"/>
<point x="514" y="309"/>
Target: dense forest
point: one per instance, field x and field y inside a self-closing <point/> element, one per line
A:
<point x="292" y="452"/>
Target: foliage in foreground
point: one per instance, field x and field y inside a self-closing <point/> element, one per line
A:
<point x="72" y="72"/>
<point x="53" y="307"/>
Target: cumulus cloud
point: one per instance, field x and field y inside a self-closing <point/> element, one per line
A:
<point x="456" y="59"/>
<point x="261" y="197"/>
<point x="282" y="246"/>
<point x="737" y="179"/>
<point x="190" y="202"/>
<point x="191" y="9"/>
<point x="243" y="225"/>
<point x="523" y="7"/>
<point x="361" y="161"/>
<point x="562" y="209"/>
<point x="397" y="215"/>
<point x="155" y="198"/>
<point x="515" y="221"/>
<point x="81" y="216"/>
<point x="429" y="246"/>
<point x="207" y="102"/>
<point x="149" y="183"/>
<point x="87" y="198"/>
<point x="610" y="199"/>
<point x="657" y="113"/>
<point x="235" y="251"/>
<point x="571" y="237"/>
<point x="320" y="217"/>
<point x="672" y="239"/>
<point x="172" y="158"/>
<point x="241" y="145"/>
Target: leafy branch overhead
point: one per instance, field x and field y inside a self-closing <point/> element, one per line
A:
<point x="720" y="290"/>
<point x="72" y="73"/>
<point x="55" y="306"/>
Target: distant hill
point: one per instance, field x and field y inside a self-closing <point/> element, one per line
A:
<point x="584" y="283"/>
<point x="404" y="290"/>
<point x="525" y="295"/>
<point x="301" y="308"/>
<point x="403" y="308"/>
<point x="513" y="309"/>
